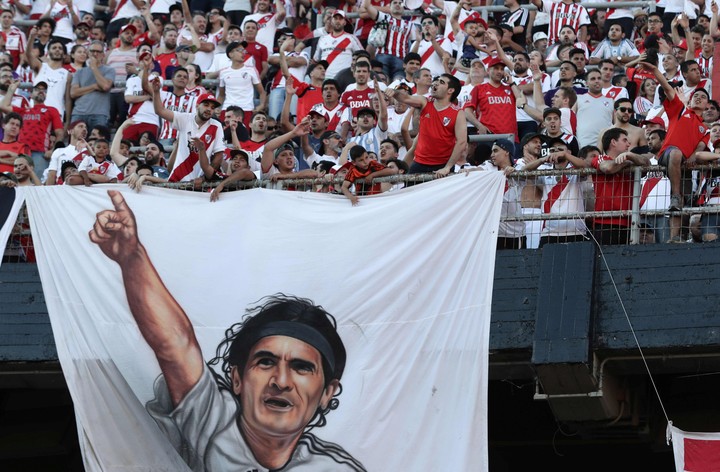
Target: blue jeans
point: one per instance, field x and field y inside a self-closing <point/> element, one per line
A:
<point x="275" y="102"/>
<point x="91" y="120"/>
<point x="39" y="162"/>
<point x="393" y="66"/>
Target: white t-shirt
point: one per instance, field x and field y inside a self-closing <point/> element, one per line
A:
<point x="106" y="168"/>
<point x="57" y="83"/>
<point x="239" y="86"/>
<point x="202" y="58"/>
<point x="63" y="20"/>
<point x="142" y="112"/>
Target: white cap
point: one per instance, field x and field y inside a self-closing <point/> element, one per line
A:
<point x="538" y="36"/>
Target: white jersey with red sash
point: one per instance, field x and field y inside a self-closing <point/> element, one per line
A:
<point x="106" y="168"/>
<point x="337" y="116"/>
<point x="267" y="26"/>
<point x="561" y="195"/>
<point x="125" y="9"/>
<point x="429" y="58"/>
<point x="187" y="161"/>
<point x="655" y="193"/>
<point x="615" y="92"/>
<point x="254" y="150"/>
<point x="62" y="155"/>
<point x="176" y="103"/>
<point x="140" y="112"/>
<point x="337" y="51"/>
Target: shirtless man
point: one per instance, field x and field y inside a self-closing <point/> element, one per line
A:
<point x="623" y="112"/>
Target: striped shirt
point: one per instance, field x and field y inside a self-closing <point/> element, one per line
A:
<point x="184" y="103"/>
<point x="561" y="14"/>
<point x="399" y="34"/>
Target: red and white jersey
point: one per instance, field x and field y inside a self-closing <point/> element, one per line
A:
<point x="202" y="58"/>
<point x="195" y="91"/>
<point x="57" y="81"/>
<point x="615" y="13"/>
<point x="436" y="139"/>
<point x="430" y="59"/>
<point x="178" y="104"/>
<point x="561" y="195"/>
<point x="527" y="80"/>
<point x="706" y="64"/>
<point x="337" y="51"/>
<point x="399" y="34"/>
<point x="267" y="26"/>
<point x="15" y="44"/>
<point x="709" y="190"/>
<point x="142" y="112"/>
<point x="615" y="93"/>
<point x="63" y="20"/>
<point x="562" y="14"/>
<point x="19" y="101"/>
<point x="62" y="155"/>
<point x="254" y="150"/>
<point x="337" y="116"/>
<point x="125" y="9"/>
<point x="239" y="85"/>
<point x="298" y="72"/>
<point x="448" y="8"/>
<point x="187" y="161"/>
<point x="655" y="193"/>
<point x="106" y="168"/>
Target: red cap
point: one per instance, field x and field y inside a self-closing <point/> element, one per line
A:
<point x="128" y="26"/>
<point x="682" y="44"/>
<point x="653" y="121"/>
<point x="208" y="97"/>
<point x="145" y="54"/>
<point x="474" y="16"/>
<point x="494" y="61"/>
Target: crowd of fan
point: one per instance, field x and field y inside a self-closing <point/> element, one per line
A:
<point x="214" y="91"/>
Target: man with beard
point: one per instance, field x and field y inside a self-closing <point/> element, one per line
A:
<point x="6" y="78"/>
<point x="531" y="194"/>
<point x="621" y="119"/>
<point x="73" y="152"/>
<point x="258" y="137"/>
<point x="594" y="110"/>
<point x="711" y="113"/>
<point x="186" y="164"/>
<point x="569" y="37"/>
<point x="432" y="46"/>
<point x="337" y="47"/>
<point x="82" y="35"/>
<point x="177" y="101"/>
<point x="524" y="80"/>
<point x="24" y="171"/>
<point x="118" y="58"/>
<point x="52" y="72"/>
<point x="91" y="87"/>
<point x="165" y="55"/>
<point x="318" y="130"/>
<point x="442" y="139"/>
<point x="38" y="120"/>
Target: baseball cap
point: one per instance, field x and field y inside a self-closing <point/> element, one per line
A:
<point x="315" y="112"/>
<point x="337" y="168"/>
<point x="329" y="134"/>
<point x="284" y="147"/>
<point x="236" y="152"/>
<point x="538" y="36"/>
<point x="340" y="13"/>
<point x="9" y="176"/>
<point x="682" y="44"/>
<point x="656" y="120"/>
<point x="208" y="97"/>
<point x="550" y="111"/>
<point x="529" y="137"/>
<point x="366" y="111"/>
<point x="234" y="45"/>
<point x="41" y="84"/>
<point x="145" y="54"/>
<point x="128" y="26"/>
<point x="183" y="47"/>
<point x="83" y="23"/>
<point x="474" y="17"/>
<point x="312" y="67"/>
<point x="495" y="61"/>
<point x="505" y="145"/>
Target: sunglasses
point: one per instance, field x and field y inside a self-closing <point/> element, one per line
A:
<point x="624" y="109"/>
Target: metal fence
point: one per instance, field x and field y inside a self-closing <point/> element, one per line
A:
<point x="640" y="213"/>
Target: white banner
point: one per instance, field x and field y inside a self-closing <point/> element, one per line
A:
<point x="407" y="275"/>
<point x="11" y="201"/>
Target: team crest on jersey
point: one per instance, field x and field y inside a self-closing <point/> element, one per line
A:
<point x="446" y="121"/>
<point x="507" y="92"/>
<point x="208" y="138"/>
<point x="701" y="129"/>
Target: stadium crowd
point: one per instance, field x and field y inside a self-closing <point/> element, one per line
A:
<point x="210" y="91"/>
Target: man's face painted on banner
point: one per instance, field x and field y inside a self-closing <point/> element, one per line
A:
<point x="281" y="386"/>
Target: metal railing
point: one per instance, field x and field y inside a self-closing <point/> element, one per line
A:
<point x="639" y="221"/>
